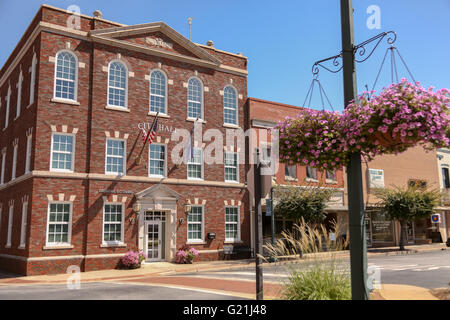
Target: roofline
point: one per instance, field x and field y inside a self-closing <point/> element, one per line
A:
<point x="275" y="103"/>
<point x="82" y="15"/>
<point x="222" y="51"/>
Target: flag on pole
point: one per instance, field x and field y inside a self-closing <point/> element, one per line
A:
<point x="150" y="136"/>
<point x="189" y="149"/>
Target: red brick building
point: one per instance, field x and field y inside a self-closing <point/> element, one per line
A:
<point x="262" y="115"/>
<point x="72" y="101"/>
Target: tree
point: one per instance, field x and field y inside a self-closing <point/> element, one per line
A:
<point x="302" y="202"/>
<point x="407" y="204"/>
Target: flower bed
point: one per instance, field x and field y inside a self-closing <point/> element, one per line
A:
<point x="401" y="116"/>
<point x="133" y="260"/>
<point x="186" y="254"/>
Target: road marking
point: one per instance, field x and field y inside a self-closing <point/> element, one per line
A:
<point x="277" y="275"/>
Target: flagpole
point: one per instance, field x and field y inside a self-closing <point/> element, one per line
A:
<point x="139" y="157"/>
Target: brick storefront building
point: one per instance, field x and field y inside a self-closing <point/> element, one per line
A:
<point x="72" y="100"/>
<point x="262" y="115"/>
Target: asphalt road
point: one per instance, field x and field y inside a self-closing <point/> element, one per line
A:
<point x="106" y="291"/>
<point x="428" y="270"/>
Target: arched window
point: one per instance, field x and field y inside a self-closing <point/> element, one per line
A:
<point x="66" y="76"/>
<point x="230" y="105"/>
<point x="195" y="98"/>
<point x="117" y="84"/>
<point x="158" y="92"/>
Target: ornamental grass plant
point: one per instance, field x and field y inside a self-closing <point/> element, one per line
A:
<point x="318" y="273"/>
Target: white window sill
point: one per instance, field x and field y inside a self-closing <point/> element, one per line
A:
<point x="116" y="108"/>
<point x="196" y="242"/>
<point x="196" y="179"/>
<point x="115" y="174"/>
<point x="311" y="180"/>
<point x="22" y="247"/>
<point x="57" y="247"/>
<point x="157" y="177"/>
<point x="72" y="102"/>
<point x="290" y="179"/>
<point x="231" y="181"/>
<point x="160" y="115"/>
<point x="193" y="120"/>
<point x="8" y="246"/>
<point x="331" y="181"/>
<point x="113" y="245"/>
<point x="233" y="241"/>
<point x="60" y="170"/>
<point x="232" y="126"/>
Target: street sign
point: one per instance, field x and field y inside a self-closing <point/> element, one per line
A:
<point x="436" y="218"/>
<point x="268" y="208"/>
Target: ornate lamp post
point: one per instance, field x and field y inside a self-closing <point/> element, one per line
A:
<point x="349" y="55"/>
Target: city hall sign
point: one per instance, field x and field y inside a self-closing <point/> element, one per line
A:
<point x="162" y="127"/>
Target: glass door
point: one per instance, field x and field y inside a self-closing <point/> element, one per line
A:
<point x="153" y="240"/>
<point x="410" y="232"/>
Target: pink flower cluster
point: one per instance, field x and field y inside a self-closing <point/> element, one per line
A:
<point x="406" y="113"/>
<point x="312" y="139"/>
<point x="133" y="259"/>
<point x="186" y="255"/>
<point x="401" y="116"/>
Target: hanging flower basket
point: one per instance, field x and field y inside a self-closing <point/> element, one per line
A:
<point x="401" y="116"/>
<point x="313" y="138"/>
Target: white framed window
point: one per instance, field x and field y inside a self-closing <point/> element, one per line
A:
<point x="115" y="156"/>
<point x="2" y="178"/>
<point x="28" y="154"/>
<point x="157" y="160"/>
<point x="66" y="73"/>
<point x="195" y="165"/>
<point x="331" y="175"/>
<point x="158" y="92"/>
<point x="311" y="173"/>
<point x="230" y="105"/>
<point x="8" y="101"/>
<point x="62" y="153"/>
<point x="290" y="172"/>
<point x="10" y="224"/>
<point x="23" y="229"/>
<point x="19" y="94"/>
<point x="113" y="217"/>
<point x="232" y="224"/>
<point x="59" y="224"/>
<point x="231" y="167"/>
<point x="14" y="164"/>
<point x="195" y="98"/>
<point x="117" y="84"/>
<point x="33" y="77"/>
<point x="195" y="224"/>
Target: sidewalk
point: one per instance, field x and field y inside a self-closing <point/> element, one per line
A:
<point x="162" y="269"/>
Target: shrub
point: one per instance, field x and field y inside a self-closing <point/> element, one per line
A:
<point x="319" y="281"/>
<point x="186" y="254"/>
<point x="133" y="260"/>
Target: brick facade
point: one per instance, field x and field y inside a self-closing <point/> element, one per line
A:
<point x="91" y="122"/>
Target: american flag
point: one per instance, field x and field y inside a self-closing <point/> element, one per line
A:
<point x="150" y="136"/>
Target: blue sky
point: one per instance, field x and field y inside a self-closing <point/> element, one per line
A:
<point x="282" y="39"/>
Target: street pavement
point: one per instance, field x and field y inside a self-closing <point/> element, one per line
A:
<point x="425" y="270"/>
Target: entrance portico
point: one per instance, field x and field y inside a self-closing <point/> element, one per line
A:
<point x="158" y="222"/>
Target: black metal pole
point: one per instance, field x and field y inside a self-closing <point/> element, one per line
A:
<point x="272" y="218"/>
<point x="358" y="249"/>
<point x="258" y="228"/>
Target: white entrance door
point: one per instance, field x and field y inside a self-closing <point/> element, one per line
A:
<point x="153" y="240"/>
